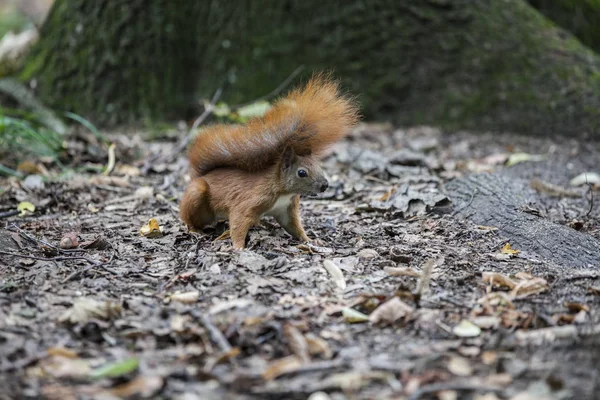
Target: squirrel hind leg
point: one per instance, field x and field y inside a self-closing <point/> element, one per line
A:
<point x="195" y="208"/>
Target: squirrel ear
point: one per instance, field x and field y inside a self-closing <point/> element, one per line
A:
<point x="288" y="158"/>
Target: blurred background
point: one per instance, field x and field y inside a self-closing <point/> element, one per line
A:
<point x="528" y="67"/>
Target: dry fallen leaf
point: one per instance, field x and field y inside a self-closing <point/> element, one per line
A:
<point x="297" y="342"/>
<point x="85" y="308"/>
<point x="126" y="169"/>
<point x="318" y="346"/>
<point x="336" y="273"/>
<point x="390" y="311"/>
<point x="185" y="298"/>
<point x="144" y="192"/>
<point x="64" y="367"/>
<point x="585" y="178"/>
<point x="319" y="396"/>
<point x="460" y="366"/>
<point x="506" y="249"/>
<point x="400" y="271"/>
<point x="495" y="278"/>
<point x="62" y="352"/>
<point x="352" y="316"/>
<point x="142" y="386"/>
<point x="110" y="165"/>
<point x="466" y="329"/>
<point x="529" y="287"/>
<point x="282" y="366"/>
<point x="151" y="229"/>
<point x="487" y="321"/>
<point x="517" y="158"/>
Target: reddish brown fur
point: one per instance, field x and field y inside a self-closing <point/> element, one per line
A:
<point x="309" y="119"/>
<point x="240" y="172"/>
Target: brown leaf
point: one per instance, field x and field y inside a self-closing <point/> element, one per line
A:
<point x="399" y="271"/>
<point x="317" y="345"/>
<point x="61" y="351"/>
<point x="506" y="249"/>
<point x="495" y="278"/>
<point x="390" y="311"/>
<point x="99" y="243"/>
<point x="185" y="298"/>
<point x="151" y="229"/>
<point x="460" y="366"/>
<point x="282" y="366"/>
<point x="529" y="287"/>
<point x="85" y="308"/>
<point x="142" y="386"/>
<point x="297" y="342"/>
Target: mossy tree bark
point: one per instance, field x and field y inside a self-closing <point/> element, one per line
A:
<point x="580" y="17"/>
<point x="496" y="65"/>
<point x="456" y="63"/>
<point x="118" y="61"/>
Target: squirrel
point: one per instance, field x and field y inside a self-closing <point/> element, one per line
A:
<point x="242" y="172"/>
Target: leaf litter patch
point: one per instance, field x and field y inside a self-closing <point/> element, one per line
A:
<point x="104" y="293"/>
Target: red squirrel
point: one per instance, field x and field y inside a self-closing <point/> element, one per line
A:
<point x="242" y="172"/>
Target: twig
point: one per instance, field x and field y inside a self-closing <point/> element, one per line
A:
<point x="7" y="214"/>
<point x="4" y="170"/>
<point x="36" y="240"/>
<point x="207" y="111"/>
<point x="591" y="198"/>
<point x="60" y="258"/>
<point x="438" y="387"/>
<point x="215" y="334"/>
<point x="274" y="92"/>
<point x="79" y="272"/>
<point x="554" y="333"/>
<point x="44" y="258"/>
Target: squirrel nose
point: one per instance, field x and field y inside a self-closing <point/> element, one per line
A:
<point x="324" y="186"/>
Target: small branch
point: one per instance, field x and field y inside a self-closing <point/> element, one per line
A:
<point x="43" y="242"/>
<point x="80" y="272"/>
<point x="591" y="191"/>
<point x="274" y="92"/>
<point x="207" y="111"/>
<point x="9" y="213"/>
<point x="215" y="334"/>
<point x="59" y="258"/>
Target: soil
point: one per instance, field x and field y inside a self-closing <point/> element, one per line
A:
<point x="417" y="313"/>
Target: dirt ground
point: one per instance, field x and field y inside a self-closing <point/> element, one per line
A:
<point x="396" y="297"/>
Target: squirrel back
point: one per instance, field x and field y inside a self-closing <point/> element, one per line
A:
<point x="308" y="120"/>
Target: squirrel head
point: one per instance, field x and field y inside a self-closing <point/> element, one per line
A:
<point x="301" y="174"/>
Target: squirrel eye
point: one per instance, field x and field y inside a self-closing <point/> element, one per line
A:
<point x="302" y="173"/>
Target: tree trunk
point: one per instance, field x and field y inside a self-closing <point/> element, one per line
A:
<point x="501" y="202"/>
<point x="119" y="61"/>
<point x="489" y="64"/>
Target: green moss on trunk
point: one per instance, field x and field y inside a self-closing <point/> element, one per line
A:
<point x="118" y="61"/>
<point x="462" y="64"/>
<point x="487" y="64"/>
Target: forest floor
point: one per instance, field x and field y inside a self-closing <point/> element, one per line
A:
<point x="397" y="298"/>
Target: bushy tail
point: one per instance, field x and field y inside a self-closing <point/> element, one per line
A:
<point x="309" y="119"/>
